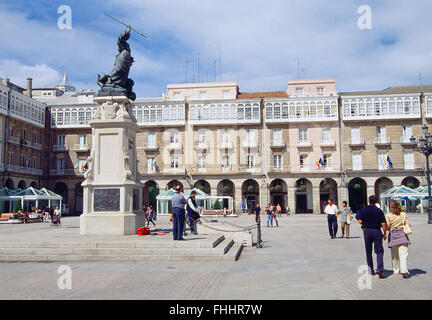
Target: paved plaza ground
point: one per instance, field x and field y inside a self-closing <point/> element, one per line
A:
<point x="299" y="261"/>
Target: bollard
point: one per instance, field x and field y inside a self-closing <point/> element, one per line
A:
<point x="259" y="243"/>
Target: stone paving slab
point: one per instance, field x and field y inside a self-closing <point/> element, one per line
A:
<point x="299" y="261"/>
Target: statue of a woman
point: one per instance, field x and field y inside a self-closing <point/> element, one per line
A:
<point x="118" y="81"/>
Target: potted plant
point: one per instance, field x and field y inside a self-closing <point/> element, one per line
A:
<point x="278" y="187"/>
<point x="357" y="186"/>
<point x="327" y="186"/>
<point x="410" y="185"/>
<point x="202" y="188"/>
<point x="384" y="186"/>
<point x="225" y="188"/>
<point x="217" y="205"/>
<point x="250" y="188"/>
<point x="151" y="189"/>
<point x="302" y="187"/>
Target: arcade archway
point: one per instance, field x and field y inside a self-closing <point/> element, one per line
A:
<point x="357" y="193"/>
<point x="278" y="193"/>
<point x="303" y="196"/>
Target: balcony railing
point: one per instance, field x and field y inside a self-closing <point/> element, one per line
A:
<point x="304" y="144"/>
<point x="249" y="144"/>
<point x="60" y="147"/>
<point x="382" y="141"/>
<point x="356" y="142"/>
<point x="226" y="145"/>
<point x="328" y="143"/>
<point x="174" y="170"/>
<point x="202" y="146"/>
<point x="312" y="168"/>
<point x="405" y="140"/>
<point x="81" y="147"/>
<point x="14" y="140"/>
<point x="278" y="144"/>
<point x="62" y="172"/>
<point x="21" y="169"/>
<point x="37" y="146"/>
<point x="174" y="146"/>
<point x="148" y="147"/>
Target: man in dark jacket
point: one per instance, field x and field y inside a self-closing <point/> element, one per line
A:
<point x="192" y="212"/>
<point x="372" y="219"/>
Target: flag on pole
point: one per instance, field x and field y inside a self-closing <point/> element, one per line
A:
<point x="321" y="162"/>
<point x="155" y="165"/>
<point x="389" y="161"/>
<point x="317" y="163"/>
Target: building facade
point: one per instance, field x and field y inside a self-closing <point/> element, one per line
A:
<point x="22" y="132"/>
<point x="296" y="148"/>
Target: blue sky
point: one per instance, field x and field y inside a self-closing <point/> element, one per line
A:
<point x="259" y="42"/>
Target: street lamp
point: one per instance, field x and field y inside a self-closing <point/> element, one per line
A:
<point x="424" y="146"/>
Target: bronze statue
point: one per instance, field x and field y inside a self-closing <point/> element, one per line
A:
<point x="118" y="81"/>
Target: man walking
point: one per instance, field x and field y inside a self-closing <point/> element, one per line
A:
<point x="178" y="211"/>
<point x="345" y="215"/>
<point x="257" y="212"/>
<point x="372" y="219"/>
<point x="331" y="211"/>
<point x="192" y="212"/>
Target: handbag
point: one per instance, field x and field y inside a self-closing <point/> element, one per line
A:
<point x="406" y="228"/>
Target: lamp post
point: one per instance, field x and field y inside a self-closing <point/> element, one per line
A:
<point x="424" y="145"/>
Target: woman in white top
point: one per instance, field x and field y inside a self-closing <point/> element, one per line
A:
<point x="57" y="213"/>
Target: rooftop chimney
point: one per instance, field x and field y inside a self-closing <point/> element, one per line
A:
<point x="29" y="87"/>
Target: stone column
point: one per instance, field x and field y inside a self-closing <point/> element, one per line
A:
<point x="316" y="199"/>
<point x="112" y="187"/>
<point x="291" y="199"/>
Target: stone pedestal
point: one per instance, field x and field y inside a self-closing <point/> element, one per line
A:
<point x="112" y="188"/>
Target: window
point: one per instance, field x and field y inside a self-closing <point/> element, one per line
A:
<point x="299" y="92"/>
<point x="320" y="91"/>
<point x="24" y="134"/>
<point x="355" y="135"/>
<point x="61" y="140"/>
<point x="302" y="161"/>
<point x="225" y="136"/>
<point x="326" y="135"/>
<point x="409" y="160"/>
<point x="327" y="160"/>
<point x="226" y="94"/>
<point x="250" y="161"/>
<point x="174" y="137"/>
<point x="151" y="139"/>
<point x="277" y="137"/>
<point x="177" y="96"/>
<point x="203" y="95"/>
<point x="302" y="135"/>
<point x="35" y="137"/>
<point x="357" y="161"/>
<point x="24" y="161"/>
<point x="61" y="164"/>
<point x="381" y="134"/>
<point x="201" y="137"/>
<point x="406" y="133"/>
<point x="11" y="131"/>
<point x="11" y="158"/>
<point x="277" y="161"/>
<point x="201" y="162"/>
<point x="174" y="162"/>
<point x="82" y="140"/>
<point x="250" y="137"/>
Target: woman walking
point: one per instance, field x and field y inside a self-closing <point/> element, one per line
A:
<point x="398" y="240"/>
<point x="275" y="212"/>
<point x="269" y="215"/>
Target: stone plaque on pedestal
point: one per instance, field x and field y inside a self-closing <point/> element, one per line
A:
<point x="112" y="187"/>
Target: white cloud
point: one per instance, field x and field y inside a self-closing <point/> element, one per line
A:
<point x="43" y="75"/>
